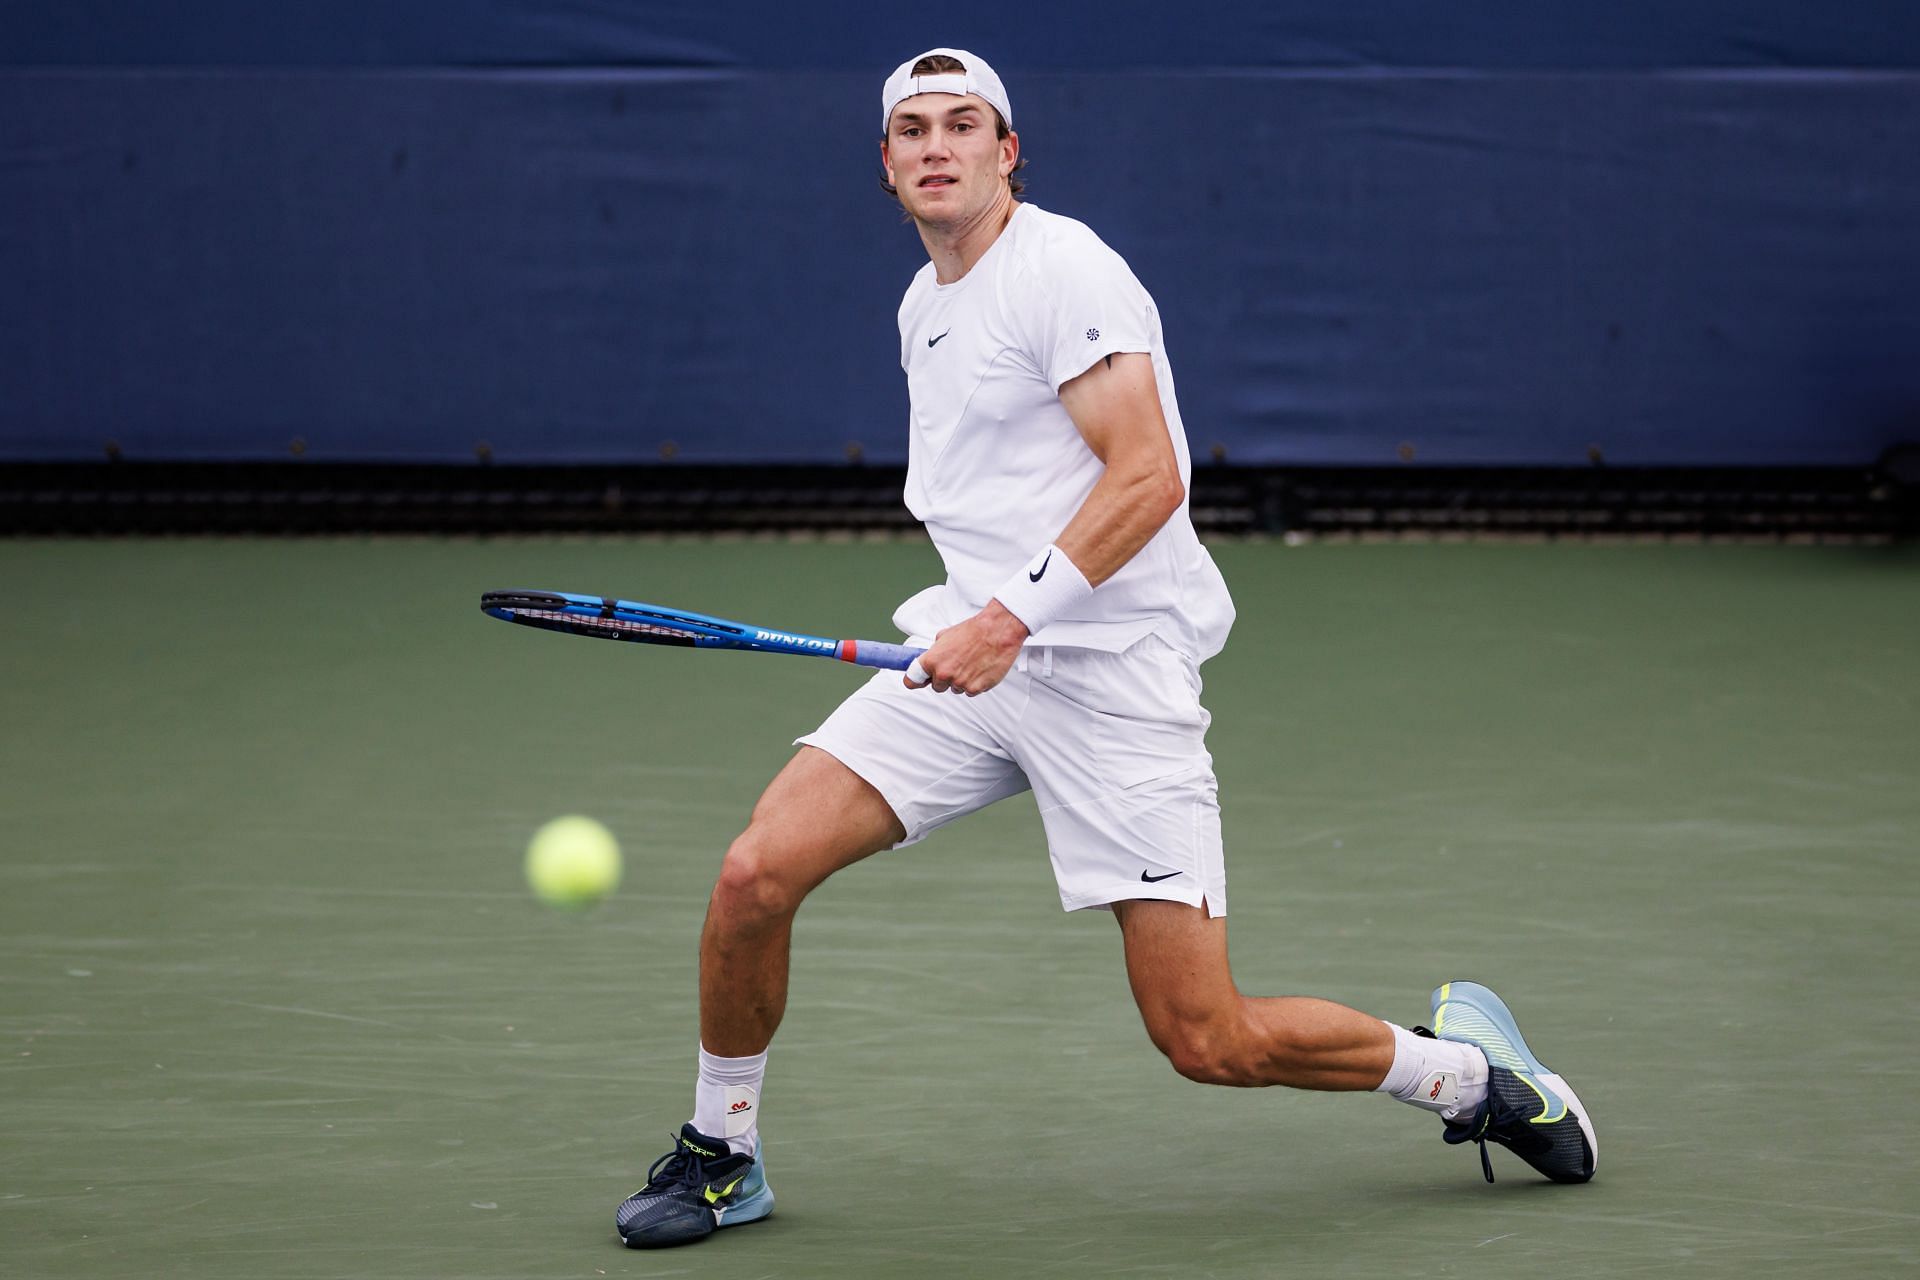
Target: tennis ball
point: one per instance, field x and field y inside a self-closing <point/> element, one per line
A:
<point x="573" y="862"/>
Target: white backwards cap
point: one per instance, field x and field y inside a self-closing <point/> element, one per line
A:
<point x="978" y="78"/>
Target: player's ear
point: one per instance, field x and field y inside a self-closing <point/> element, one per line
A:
<point x="1009" y="152"/>
<point x="886" y="162"/>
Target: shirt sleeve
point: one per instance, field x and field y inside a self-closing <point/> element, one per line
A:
<point x="1084" y="304"/>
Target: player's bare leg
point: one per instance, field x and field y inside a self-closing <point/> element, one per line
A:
<point x="1473" y="1069"/>
<point x="814" y="818"/>
<point x="1177" y="966"/>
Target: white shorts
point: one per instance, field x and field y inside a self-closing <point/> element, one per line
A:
<point x="1113" y="746"/>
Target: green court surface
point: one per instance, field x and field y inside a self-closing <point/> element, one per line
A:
<point x="275" y="1003"/>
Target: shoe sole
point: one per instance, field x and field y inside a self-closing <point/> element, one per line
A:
<point x="1489" y="1025"/>
<point x="753" y="1209"/>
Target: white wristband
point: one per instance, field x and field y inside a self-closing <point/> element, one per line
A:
<point x="1045" y="588"/>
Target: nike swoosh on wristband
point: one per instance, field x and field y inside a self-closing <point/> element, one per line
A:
<point x="1041" y="573"/>
<point x="1157" y="879"/>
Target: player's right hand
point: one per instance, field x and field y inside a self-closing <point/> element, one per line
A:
<point x="972" y="657"/>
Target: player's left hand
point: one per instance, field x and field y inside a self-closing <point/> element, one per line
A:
<point x="974" y="656"/>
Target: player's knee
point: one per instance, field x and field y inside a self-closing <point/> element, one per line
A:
<point x="752" y="887"/>
<point x="1203" y="1052"/>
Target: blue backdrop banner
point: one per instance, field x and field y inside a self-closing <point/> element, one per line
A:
<point x="597" y="233"/>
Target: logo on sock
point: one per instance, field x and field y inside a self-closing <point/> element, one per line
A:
<point x="1443" y="1089"/>
<point x="740" y="1100"/>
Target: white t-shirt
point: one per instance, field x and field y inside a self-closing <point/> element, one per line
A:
<point x="996" y="467"/>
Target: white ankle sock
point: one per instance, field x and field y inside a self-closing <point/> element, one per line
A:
<point x="1443" y="1076"/>
<point x="726" y="1101"/>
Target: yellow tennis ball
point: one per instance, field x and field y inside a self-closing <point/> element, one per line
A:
<point x="573" y="862"/>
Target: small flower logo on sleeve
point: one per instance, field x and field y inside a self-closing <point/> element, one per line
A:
<point x="1093" y="335"/>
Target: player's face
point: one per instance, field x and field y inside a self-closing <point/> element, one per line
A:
<point x="942" y="156"/>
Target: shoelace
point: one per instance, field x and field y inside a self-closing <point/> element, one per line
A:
<point x="1475" y="1130"/>
<point x="1482" y="1119"/>
<point x="1486" y="1163"/>
<point x="1496" y="1113"/>
<point x="682" y="1169"/>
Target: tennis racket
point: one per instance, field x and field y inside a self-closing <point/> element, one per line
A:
<point x="608" y="619"/>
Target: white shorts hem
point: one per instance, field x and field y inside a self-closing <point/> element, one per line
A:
<point x="1127" y="891"/>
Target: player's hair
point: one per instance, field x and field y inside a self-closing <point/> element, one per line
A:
<point x="936" y="64"/>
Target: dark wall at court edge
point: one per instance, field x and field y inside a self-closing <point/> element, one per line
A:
<point x="1683" y="231"/>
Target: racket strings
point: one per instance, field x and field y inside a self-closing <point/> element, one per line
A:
<point x="605" y="626"/>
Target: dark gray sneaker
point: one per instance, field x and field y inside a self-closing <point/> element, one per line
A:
<point x="692" y="1191"/>
<point x="1529" y="1110"/>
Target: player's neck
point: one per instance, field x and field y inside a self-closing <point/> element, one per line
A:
<point x="953" y="248"/>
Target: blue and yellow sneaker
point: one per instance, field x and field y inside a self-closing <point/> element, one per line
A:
<point x="691" y="1191"/>
<point x="1529" y="1110"/>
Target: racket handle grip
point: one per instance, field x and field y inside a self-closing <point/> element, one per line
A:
<point x="875" y="653"/>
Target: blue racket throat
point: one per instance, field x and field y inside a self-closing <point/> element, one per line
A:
<point x="607" y="618"/>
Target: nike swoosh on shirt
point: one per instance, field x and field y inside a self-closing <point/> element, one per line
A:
<point x="931" y="341"/>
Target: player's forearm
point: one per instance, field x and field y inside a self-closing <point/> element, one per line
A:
<point x="1130" y="504"/>
<point x="1127" y="506"/>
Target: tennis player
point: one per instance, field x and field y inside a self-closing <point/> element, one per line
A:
<point x="1048" y="462"/>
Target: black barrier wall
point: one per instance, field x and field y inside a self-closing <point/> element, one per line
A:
<point x="1521" y="234"/>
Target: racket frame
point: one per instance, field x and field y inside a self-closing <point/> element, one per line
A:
<point x="610" y="618"/>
